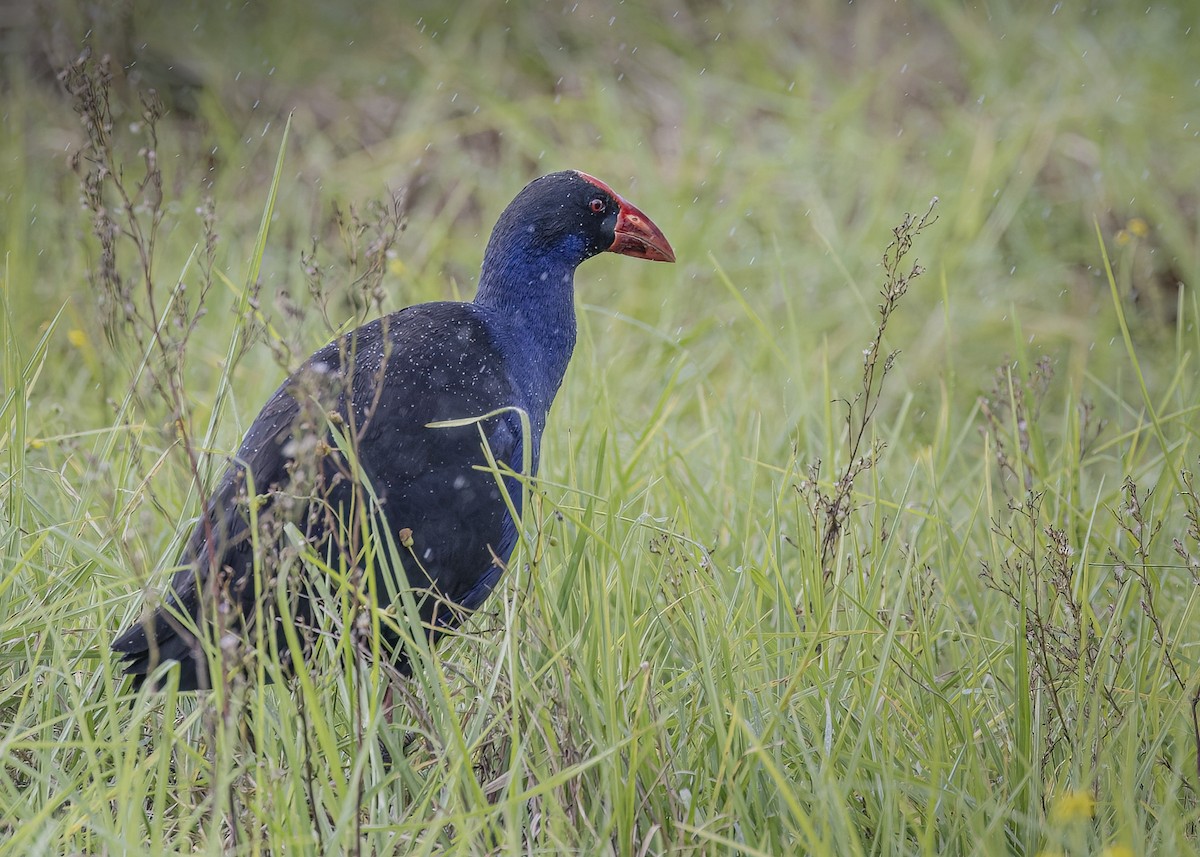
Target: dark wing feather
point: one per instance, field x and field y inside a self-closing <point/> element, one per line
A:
<point x="430" y="363"/>
<point x="221" y="539"/>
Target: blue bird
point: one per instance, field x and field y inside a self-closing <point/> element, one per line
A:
<point x="377" y="390"/>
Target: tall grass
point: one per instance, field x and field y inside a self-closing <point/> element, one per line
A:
<point x="730" y="627"/>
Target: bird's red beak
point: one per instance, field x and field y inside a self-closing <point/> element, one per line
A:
<point x="636" y="234"/>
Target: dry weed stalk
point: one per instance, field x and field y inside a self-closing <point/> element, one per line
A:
<point x="830" y="509"/>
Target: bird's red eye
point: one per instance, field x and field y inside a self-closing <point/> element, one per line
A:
<point x="597" y="205"/>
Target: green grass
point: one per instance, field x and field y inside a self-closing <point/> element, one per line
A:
<point x="998" y="653"/>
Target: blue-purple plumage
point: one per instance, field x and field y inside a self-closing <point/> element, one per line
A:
<point x="380" y="387"/>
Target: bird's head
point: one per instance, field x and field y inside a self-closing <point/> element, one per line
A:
<point x="574" y="214"/>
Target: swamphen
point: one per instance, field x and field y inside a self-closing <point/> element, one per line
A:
<point x="376" y="391"/>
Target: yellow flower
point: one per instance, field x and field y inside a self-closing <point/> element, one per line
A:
<point x="1138" y="227"/>
<point x="1073" y="806"/>
<point x="77" y="337"/>
<point x="1117" y="851"/>
<point x="396" y="266"/>
<point x="1123" y="237"/>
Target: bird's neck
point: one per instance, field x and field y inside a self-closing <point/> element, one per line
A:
<point x="533" y="298"/>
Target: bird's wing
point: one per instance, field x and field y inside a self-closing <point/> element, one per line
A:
<point x="382" y="386"/>
<point x="433" y="480"/>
